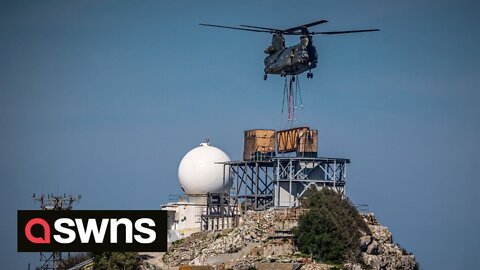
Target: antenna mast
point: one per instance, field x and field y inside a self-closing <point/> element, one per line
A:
<point x="51" y="261"/>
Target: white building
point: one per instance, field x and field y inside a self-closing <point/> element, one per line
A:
<point x="198" y="174"/>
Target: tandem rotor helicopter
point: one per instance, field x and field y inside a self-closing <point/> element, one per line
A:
<point x="295" y="59"/>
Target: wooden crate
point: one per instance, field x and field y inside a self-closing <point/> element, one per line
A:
<point x="258" y="141"/>
<point x="301" y="140"/>
<point x="308" y="142"/>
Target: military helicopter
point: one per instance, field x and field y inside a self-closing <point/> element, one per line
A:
<point x="291" y="60"/>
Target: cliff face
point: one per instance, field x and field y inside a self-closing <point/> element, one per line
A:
<point x="265" y="238"/>
<point x="379" y="251"/>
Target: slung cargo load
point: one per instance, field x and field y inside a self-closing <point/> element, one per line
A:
<point x="260" y="144"/>
<point x="301" y="140"/>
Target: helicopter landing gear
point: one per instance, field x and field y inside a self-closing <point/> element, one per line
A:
<point x="309" y="75"/>
<point x="265" y="77"/>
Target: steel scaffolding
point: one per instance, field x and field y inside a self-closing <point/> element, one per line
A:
<point x="280" y="181"/>
<point x="277" y="182"/>
<point x="295" y="175"/>
<point x="221" y="212"/>
<point x="252" y="187"/>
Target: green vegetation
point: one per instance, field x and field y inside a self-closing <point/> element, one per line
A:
<point x="73" y="260"/>
<point x="330" y="231"/>
<point x="178" y="242"/>
<point x="116" y="261"/>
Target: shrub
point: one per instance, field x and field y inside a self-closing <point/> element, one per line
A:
<point x="73" y="260"/>
<point x="116" y="260"/>
<point x="330" y="231"/>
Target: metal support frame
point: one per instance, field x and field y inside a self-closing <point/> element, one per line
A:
<point x="257" y="185"/>
<point x="220" y="212"/>
<point x="295" y="175"/>
<point x="252" y="184"/>
<point x="277" y="182"/>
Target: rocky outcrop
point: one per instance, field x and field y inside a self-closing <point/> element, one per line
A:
<point x="380" y="252"/>
<point x="263" y="238"/>
<point x="241" y="243"/>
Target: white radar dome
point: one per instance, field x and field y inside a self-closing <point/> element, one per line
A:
<point x="199" y="172"/>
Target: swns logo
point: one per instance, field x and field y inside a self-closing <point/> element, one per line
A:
<point x="92" y="231"/>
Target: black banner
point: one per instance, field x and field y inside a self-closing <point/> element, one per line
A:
<point x="92" y="231"/>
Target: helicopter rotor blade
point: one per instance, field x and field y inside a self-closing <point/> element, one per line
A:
<point x="293" y="29"/>
<point x="293" y="33"/>
<point x="264" y="28"/>
<point x="237" y="28"/>
<point x="344" y="32"/>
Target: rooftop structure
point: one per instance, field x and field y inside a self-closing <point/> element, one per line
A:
<point x="278" y="167"/>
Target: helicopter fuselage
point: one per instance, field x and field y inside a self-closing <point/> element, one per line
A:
<point x="294" y="60"/>
<point x="291" y="60"/>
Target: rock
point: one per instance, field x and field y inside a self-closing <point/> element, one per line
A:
<point x="364" y="242"/>
<point x="382" y="253"/>
<point x="353" y="266"/>
<point x="357" y="267"/>
<point x="381" y="233"/>
<point x="316" y="266"/>
<point x="373" y="262"/>
<point x="372" y="248"/>
<point x="254" y="241"/>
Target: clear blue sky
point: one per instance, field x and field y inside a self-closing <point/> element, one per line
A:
<point x="103" y="98"/>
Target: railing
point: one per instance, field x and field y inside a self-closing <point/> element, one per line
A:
<point x="88" y="263"/>
<point x="178" y="198"/>
<point x="362" y="208"/>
